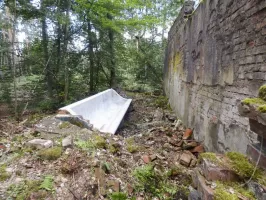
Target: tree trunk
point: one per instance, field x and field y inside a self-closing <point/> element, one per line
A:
<point x="112" y="54"/>
<point x="13" y="62"/>
<point x="66" y="32"/>
<point x="91" y="57"/>
<point x="48" y="73"/>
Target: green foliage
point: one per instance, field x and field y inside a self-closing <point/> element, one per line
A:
<point x="48" y="183"/>
<point x="50" y="154"/>
<point x="118" y="196"/>
<point x="3" y="173"/>
<point x="106" y="167"/>
<point x="155" y="184"/>
<point x="85" y="145"/>
<point x="95" y="142"/>
<point x="24" y="189"/>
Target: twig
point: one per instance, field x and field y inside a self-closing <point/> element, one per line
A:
<point x="255" y="169"/>
<point x="75" y="197"/>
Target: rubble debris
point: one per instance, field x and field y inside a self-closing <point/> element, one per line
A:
<point x="94" y="165"/>
<point x="67" y="142"/>
<point x="40" y="143"/>
<point x="188" y="133"/>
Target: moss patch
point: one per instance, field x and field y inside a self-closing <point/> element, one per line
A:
<point x="222" y="191"/>
<point x="241" y="165"/>
<point x="50" y="154"/>
<point x="131" y="145"/>
<point x="155" y="184"/>
<point x="253" y="101"/>
<point x="99" y="142"/>
<point x="3" y="173"/>
<point x="64" y="125"/>
<point x="262" y="108"/>
<point x="262" y="92"/>
<point x="24" y="189"/>
<point x="162" y="102"/>
<point x="210" y="157"/>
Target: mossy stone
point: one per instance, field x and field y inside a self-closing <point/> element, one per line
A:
<point x="253" y="101"/>
<point x="262" y="92"/>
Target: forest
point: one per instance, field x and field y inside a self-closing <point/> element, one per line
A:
<point x="53" y="53"/>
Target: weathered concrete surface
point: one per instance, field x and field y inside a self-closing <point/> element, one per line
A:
<point x="214" y="59"/>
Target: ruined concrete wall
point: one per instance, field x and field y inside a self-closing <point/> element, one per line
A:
<point x="214" y="59"/>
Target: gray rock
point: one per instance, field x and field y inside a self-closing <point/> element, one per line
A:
<point x="67" y="142"/>
<point x="194" y="195"/>
<point x="256" y="188"/>
<point x="40" y="143"/>
<point x="158" y="115"/>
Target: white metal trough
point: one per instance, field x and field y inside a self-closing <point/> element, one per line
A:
<point x="104" y="111"/>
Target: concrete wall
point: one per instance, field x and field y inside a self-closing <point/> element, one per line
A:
<point x="215" y="58"/>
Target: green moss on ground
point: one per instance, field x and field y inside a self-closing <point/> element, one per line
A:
<point x="131" y="145"/>
<point x="25" y="189"/>
<point x="118" y="196"/>
<point x="221" y="192"/>
<point x="241" y="165"/>
<point x="3" y="173"/>
<point x="99" y="142"/>
<point x="64" y="125"/>
<point x="262" y="92"/>
<point x="50" y="154"/>
<point x="156" y="184"/>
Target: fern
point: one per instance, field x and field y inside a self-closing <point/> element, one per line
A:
<point x="48" y="183"/>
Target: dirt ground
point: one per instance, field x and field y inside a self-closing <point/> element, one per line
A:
<point x="140" y="162"/>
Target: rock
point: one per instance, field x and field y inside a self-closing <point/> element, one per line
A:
<point x="216" y="172"/>
<point x="258" y="190"/>
<point x="178" y="124"/>
<point x="114" y="185"/>
<point x="130" y="189"/>
<point x="153" y="157"/>
<point x="167" y="146"/>
<point x="146" y="159"/>
<point x="189" y="145"/>
<point x="158" y="115"/>
<point x="194" y="195"/>
<point x="67" y="142"/>
<point x="188" y="133"/>
<point x="2" y="146"/>
<point x="193" y="163"/>
<point x="198" y="149"/>
<point x="179" y="144"/>
<point x="40" y="143"/>
<point x="199" y="183"/>
<point x="100" y="177"/>
<point x="185" y="159"/>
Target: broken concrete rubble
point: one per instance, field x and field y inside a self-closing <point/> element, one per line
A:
<point x="215" y="172"/>
<point x="40" y="143"/>
<point x="67" y="142"/>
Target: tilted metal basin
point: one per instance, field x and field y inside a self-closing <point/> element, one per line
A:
<point x="105" y="110"/>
